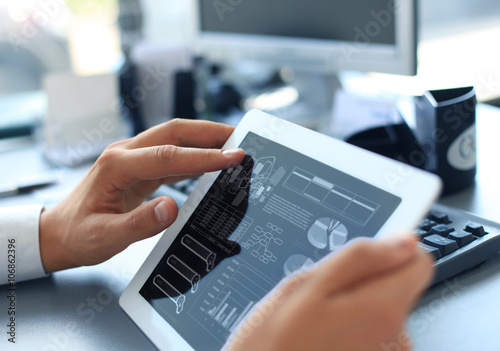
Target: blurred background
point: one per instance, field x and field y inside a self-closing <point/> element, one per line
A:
<point x="39" y="36"/>
<point x="458" y="42"/>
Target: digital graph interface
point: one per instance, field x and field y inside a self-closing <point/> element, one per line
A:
<point x="274" y="214"/>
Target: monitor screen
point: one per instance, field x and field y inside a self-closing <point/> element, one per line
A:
<point x="312" y="19"/>
<point x="324" y="36"/>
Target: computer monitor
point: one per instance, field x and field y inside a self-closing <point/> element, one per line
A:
<point x="315" y="35"/>
<point x="310" y="36"/>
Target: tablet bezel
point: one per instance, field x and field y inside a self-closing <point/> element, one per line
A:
<point x="397" y="178"/>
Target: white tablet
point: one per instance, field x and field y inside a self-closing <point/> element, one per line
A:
<point x="297" y="196"/>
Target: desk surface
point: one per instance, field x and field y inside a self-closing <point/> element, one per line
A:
<point x="78" y="309"/>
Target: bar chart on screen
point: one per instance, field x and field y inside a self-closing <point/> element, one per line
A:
<point x="230" y="298"/>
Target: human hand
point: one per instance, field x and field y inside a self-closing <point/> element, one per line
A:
<point x="355" y="299"/>
<point x="106" y="212"/>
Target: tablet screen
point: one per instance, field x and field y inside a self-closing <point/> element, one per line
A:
<point x="276" y="212"/>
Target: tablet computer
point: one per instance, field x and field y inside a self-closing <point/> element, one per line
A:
<point x="297" y="196"/>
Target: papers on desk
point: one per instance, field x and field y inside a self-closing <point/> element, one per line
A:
<point x="353" y="113"/>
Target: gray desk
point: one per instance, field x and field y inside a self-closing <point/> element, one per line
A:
<point x="78" y="309"/>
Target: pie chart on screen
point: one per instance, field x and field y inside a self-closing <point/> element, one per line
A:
<point x="327" y="233"/>
<point x="296" y="262"/>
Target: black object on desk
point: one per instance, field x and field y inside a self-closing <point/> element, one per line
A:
<point x="395" y="141"/>
<point x="130" y="105"/>
<point x="184" y="95"/>
<point x="458" y="240"/>
<point x="446" y="129"/>
<point x="443" y="143"/>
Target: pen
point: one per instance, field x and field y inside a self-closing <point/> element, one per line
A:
<point x="26" y="186"/>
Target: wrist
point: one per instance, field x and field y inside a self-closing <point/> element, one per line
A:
<point x="53" y="256"/>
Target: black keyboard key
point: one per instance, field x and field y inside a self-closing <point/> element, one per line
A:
<point x="442" y="229"/>
<point x="445" y="245"/>
<point x="462" y="238"/>
<point x="433" y="251"/>
<point x="475" y="229"/>
<point x="421" y="233"/>
<point x="427" y="224"/>
<point x="439" y="217"/>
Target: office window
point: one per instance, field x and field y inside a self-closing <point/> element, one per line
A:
<point x="42" y="36"/>
<point x="39" y="37"/>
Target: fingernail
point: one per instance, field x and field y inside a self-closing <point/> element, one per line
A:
<point x="231" y="152"/>
<point x="161" y="212"/>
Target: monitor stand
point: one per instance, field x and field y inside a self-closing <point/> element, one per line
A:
<point x="304" y="98"/>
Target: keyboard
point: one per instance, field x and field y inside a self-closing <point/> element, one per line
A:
<point x="458" y="240"/>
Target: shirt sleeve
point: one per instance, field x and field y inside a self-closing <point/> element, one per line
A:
<point x="20" y="244"/>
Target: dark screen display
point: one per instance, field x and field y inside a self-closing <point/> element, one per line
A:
<point x="276" y="212"/>
<point x="354" y="20"/>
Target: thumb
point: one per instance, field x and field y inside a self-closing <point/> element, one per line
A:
<point x="147" y="220"/>
<point x="363" y="259"/>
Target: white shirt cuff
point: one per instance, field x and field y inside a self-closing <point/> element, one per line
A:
<point x="20" y="244"/>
